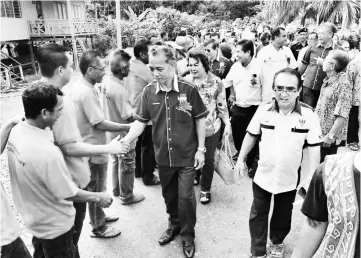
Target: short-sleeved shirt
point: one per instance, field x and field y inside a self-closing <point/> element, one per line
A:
<point x="354" y="74"/>
<point x="10" y="229"/>
<point x="281" y="144"/>
<point x="66" y="131"/>
<point x="271" y="61"/>
<point x="139" y="76"/>
<point x="335" y="100"/>
<point x="40" y="182"/>
<point x="221" y="67"/>
<point x="314" y="74"/>
<point x="315" y="204"/>
<point x="86" y="103"/>
<point x="116" y="104"/>
<point x="296" y="48"/>
<point x="246" y="83"/>
<point x="213" y="95"/>
<point x="173" y="114"/>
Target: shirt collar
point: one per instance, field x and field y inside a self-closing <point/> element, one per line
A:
<point x="86" y="83"/>
<point x="332" y="45"/>
<point x="175" y="85"/>
<point x="43" y="133"/>
<point x="250" y="63"/>
<point x="275" y="107"/>
<point x="116" y="80"/>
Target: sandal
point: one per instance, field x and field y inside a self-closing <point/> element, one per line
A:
<point x="106" y="232"/>
<point x="277" y="251"/>
<point x="205" y="197"/>
<point x="354" y="146"/>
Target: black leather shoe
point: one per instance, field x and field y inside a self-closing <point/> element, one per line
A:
<point x="189" y="248"/>
<point x="168" y="236"/>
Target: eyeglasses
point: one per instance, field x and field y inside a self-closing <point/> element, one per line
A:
<point x="100" y="69"/>
<point x="207" y="50"/>
<point x="280" y="89"/>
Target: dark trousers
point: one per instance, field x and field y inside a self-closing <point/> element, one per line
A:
<point x="80" y="211"/>
<point x="208" y="168"/>
<point x="310" y="96"/>
<point x="280" y="224"/>
<point x="353" y="125"/>
<point x="59" y="247"/>
<point x="328" y="151"/>
<point x="16" y="249"/>
<point x="144" y="155"/>
<point x="241" y="117"/>
<point x="179" y="198"/>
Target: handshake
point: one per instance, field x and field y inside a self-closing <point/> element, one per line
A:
<point x="118" y="146"/>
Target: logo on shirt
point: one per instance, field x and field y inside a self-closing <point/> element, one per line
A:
<point x="183" y="104"/>
<point x="302" y="121"/>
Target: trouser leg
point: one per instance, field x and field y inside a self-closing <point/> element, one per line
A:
<point x="98" y="178"/>
<point x="328" y="151"/>
<point x="15" y="249"/>
<point x="310" y="96"/>
<point x="280" y="224"/>
<point x="258" y="221"/>
<point x="115" y="163"/>
<point x="186" y="202"/>
<point x="169" y="182"/>
<point x="208" y="168"/>
<point x="138" y="157"/>
<point x="353" y="125"/>
<point x="80" y="211"/>
<point x="127" y="170"/>
<point x="147" y="154"/>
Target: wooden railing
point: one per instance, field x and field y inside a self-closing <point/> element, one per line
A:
<point x="53" y="28"/>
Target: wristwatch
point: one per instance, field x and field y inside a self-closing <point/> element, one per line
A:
<point x="331" y="136"/>
<point x="202" y="149"/>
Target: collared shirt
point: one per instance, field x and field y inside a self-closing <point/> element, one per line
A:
<point x="335" y="100"/>
<point x="213" y="95"/>
<point x="271" y="61"/>
<point x="40" y="182"/>
<point x="139" y="76"/>
<point x="220" y="67"/>
<point x="301" y="54"/>
<point x="354" y="74"/>
<point x="296" y="48"/>
<point x="173" y="114"/>
<point x="87" y="108"/>
<point x="281" y="144"/>
<point x="10" y="229"/>
<point x="246" y="83"/>
<point x="314" y="74"/>
<point x="116" y="104"/>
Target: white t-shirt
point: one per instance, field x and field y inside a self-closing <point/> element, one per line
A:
<point x="10" y="229"/>
<point x="246" y="83"/>
<point x="271" y="61"/>
<point x="40" y="182"/>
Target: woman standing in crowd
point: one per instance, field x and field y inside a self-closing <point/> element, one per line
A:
<point x="213" y="95"/>
<point x="334" y="104"/>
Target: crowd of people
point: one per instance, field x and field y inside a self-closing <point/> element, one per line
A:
<point x="167" y="108"/>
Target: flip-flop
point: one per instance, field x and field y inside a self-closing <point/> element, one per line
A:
<point x="354" y="146"/>
<point x="205" y="197"/>
<point x="111" y="219"/>
<point x="109" y="232"/>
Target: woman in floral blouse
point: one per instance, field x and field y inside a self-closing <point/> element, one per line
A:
<point x="334" y="104"/>
<point x="213" y="95"/>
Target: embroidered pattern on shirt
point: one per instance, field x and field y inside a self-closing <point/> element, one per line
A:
<point x="184" y="105"/>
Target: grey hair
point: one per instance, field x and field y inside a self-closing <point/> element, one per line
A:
<point x="168" y="51"/>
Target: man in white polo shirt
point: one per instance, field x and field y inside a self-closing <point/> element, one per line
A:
<point x="117" y="108"/>
<point x="284" y="126"/>
<point x="273" y="58"/>
<point x="246" y="93"/>
<point x="42" y="188"/>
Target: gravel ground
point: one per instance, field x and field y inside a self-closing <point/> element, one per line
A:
<point x="221" y="230"/>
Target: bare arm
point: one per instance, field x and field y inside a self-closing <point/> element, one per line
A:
<point x="247" y="146"/>
<point x="201" y="131"/>
<point x="337" y="124"/>
<point x="134" y="132"/>
<point x="6" y="129"/>
<point x="314" y="157"/>
<point x="110" y="126"/>
<point x="302" y="68"/>
<point x="103" y="199"/>
<point x="310" y="239"/>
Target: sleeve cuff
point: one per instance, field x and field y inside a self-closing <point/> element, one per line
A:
<point x="304" y="62"/>
<point x="201" y="115"/>
<point x="141" y="119"/>
<point x="95" y="122"/>
<point x="313" y="144"/>
<point x="253" y="134"/>
<point x="312" y="217"/>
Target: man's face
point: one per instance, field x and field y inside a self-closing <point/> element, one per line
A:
<point x="345" y="46"/>
<point x="302" y="36"/>
<point x="52" y="116"/>
<point x="324" y="35"/>
<point x="212" y="53"/>
<point x="282" y="39"/>
<point x="124" y="67"/>
<point x="162" y="71"/>
<point x="312" y="40"/>
<point x="329" y="63"/>
<point x="66" y="72"/>
<point x="285" y="86"/>
<point x="253" y="26"/>
<point x="265" y="42"/>
<point x="241" y="55"/>
<point x="98" y="70"/>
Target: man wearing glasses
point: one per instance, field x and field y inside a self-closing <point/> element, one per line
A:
<point x="285" y="125"/>
<point x="92" y="126"/>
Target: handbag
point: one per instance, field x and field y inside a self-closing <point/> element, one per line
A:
<point x="224" y="164"/>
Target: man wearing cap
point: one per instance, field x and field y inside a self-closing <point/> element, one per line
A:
<point x="301" y="42"/>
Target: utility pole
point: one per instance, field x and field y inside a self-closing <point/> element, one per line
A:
<point x="117" y="23"/>
<point x="72" y="32"/>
